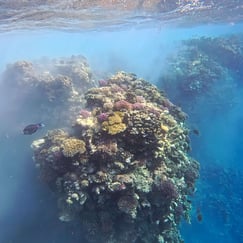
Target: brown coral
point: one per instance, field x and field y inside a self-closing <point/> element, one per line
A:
<point x="128" y="204"/>
<point x="73" y="146"/>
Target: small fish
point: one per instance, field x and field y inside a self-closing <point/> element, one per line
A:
<point x="32" y="128"/>
<point x="199" y="215"/>
<point x="196" y="132"/>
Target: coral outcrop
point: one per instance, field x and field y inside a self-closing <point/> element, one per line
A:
<point x="54" y="87"/>
<point x="124" y="171"/>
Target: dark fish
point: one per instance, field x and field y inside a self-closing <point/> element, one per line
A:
<point x="32" y="128"/>
<point x="199" y="215"/>
<point x="196" y="132"/>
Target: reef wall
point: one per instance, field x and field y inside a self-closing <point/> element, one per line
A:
<point x="123" y="171"/>
<point x="206" y="70"/>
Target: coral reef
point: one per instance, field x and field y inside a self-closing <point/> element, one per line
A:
<point x="48" y="85"/>
<point x="72" y="146"/>
<point x="114" y="124"/>
<point x="202" y="67"/>
<point x="123" y="172"/>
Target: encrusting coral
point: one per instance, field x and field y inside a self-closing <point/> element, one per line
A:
<point x="124" y="172"/>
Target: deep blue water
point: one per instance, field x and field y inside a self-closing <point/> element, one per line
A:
<point x="28" y="211"/>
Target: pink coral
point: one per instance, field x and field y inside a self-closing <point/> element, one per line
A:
<point x="85" y="113"/>
<point x="140" y="99"/>
<point x="102" y="82"/>
<point x="122" y="104"/>
<point x="102" y="117"/>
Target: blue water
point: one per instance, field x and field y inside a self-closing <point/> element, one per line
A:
<point x="28" y="211"/>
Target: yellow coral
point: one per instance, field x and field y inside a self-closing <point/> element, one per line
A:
<point x="72" y="146"/>
<point x="164" y="128"/>
<point x="86" y="122"/>
<point x="114" y="124"/>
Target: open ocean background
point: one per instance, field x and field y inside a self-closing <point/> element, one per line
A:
<point x="28" y="212"/>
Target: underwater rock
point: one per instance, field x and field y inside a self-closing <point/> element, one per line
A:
<point x="123" y="171"/>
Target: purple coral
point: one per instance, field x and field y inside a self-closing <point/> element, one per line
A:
<point x="168" y="190"/>
<point x="85" y="113"/>
<point x="191" y="174"/>
<point x="102" y="117"/>
<point x="123" y="104"/>
<point x="102" y="82"/>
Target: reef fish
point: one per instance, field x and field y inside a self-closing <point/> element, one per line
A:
<point x="199" y="215"/>
<point x="32" y="128"/>
<point x="196" y="132"/>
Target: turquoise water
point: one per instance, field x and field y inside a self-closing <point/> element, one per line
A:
<point x="28" y="209"/>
